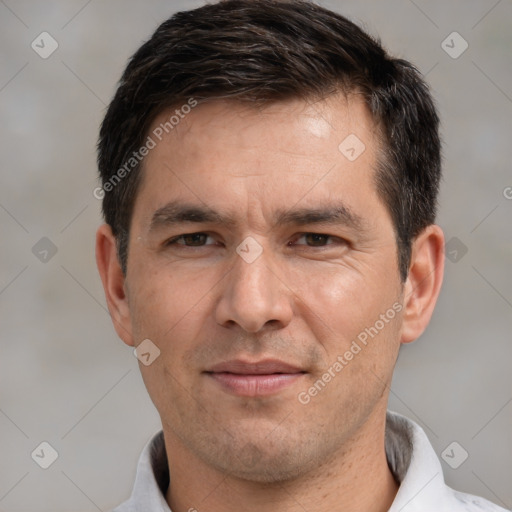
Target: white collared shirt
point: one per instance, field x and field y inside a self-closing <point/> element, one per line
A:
<point x="410" y="455"/>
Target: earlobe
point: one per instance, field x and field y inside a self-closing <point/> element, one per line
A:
<point x="423" y="282"/>
<point x="113" y="281"/>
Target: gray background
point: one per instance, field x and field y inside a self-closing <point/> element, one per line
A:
<point x="65" y="378"/>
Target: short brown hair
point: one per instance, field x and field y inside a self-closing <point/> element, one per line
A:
<point x="263" y="51"/>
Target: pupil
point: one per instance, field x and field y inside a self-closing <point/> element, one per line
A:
<point x="316" y="239"/>
<point x="195" y="239"/>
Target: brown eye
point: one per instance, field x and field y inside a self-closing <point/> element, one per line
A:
<point x="316" y="239"/>
<point x="195" y="239"/>
<point x="190" y="240"/>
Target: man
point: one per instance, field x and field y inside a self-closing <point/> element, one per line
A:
<point x="270" y="177"/>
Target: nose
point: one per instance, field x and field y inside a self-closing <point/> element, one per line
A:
<point x="254" y="297"/>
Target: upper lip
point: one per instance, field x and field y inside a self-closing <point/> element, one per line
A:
<point x="263" y="367"/>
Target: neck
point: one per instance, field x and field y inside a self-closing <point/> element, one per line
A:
<point x="356" y="478"/>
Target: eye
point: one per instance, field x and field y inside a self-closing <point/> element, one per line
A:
<point x="190" y="240"/>
<point x="318" y="239"/>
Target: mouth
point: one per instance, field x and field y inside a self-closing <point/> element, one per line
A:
<point x="252" y="379"/>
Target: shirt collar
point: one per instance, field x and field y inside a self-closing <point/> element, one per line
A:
<point x="411" y="459"/>
<point x="152" y="479"/>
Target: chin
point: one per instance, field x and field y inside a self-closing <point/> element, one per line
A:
<point x="264" y="462"/>
<point x="267" y="471"/>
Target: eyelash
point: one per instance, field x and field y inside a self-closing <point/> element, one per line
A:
<point x="174" y="241"/>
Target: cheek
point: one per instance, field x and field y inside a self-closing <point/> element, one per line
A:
<point x="343" y="305"/>
<point x="165" y="302"/>
<point x="340" y="297"/>
<point x="172" y="310"/>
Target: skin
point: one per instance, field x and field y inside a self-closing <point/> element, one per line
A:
<point x="302" y="301"/>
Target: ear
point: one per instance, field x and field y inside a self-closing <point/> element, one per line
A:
<point x="113" y="281"/>
<point x="423" y="282"/>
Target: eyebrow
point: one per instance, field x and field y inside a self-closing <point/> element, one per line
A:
<point x="178" y="212"/>
<point x="329" y="214"/>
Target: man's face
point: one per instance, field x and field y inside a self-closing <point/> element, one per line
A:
<point x="245" y="334"/>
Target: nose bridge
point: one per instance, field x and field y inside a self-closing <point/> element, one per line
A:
<point x="254" y="278"/>
<point x="253" y="295"/>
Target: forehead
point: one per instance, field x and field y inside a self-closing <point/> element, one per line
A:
<point x="222" y="152"/>
<point x="244" y="123"/>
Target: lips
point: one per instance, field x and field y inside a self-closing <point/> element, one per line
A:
<point x="251" y="379"/>
<point x="264" y="367"/>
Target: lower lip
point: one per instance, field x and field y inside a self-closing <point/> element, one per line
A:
<point x="255" y="385"/>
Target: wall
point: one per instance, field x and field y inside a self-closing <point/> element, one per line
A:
<point x="65" y="376"/>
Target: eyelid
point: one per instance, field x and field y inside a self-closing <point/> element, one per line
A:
<point x="173" y="240"/>
<point x="332" y="237"/>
